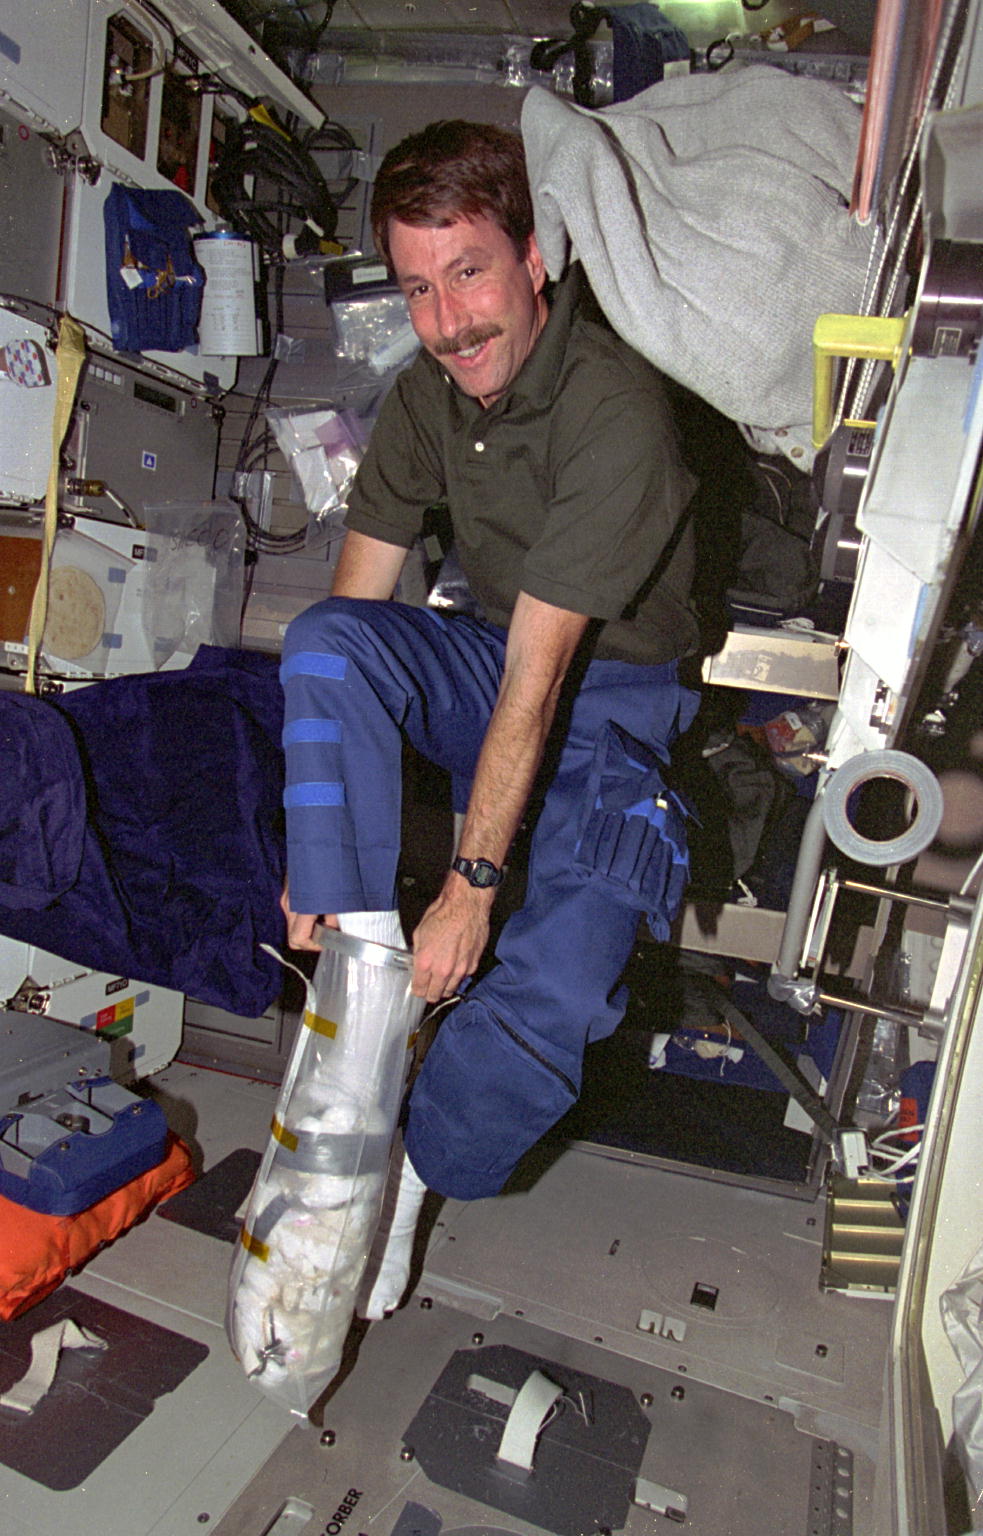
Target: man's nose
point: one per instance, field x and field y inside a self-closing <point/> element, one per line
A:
<point x="450" y="313"/>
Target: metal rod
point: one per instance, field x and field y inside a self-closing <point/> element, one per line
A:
<point x="811" y="850"/>
<point x="894" y="895"/>
<point x="876" y="1010"/>
<point x="789" y="1076"/>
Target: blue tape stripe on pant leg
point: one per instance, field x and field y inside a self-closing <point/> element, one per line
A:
<point x="313" y="664"/>
<point x="297" y="731"/>
<point x="296" y="796"/>
<point x="405" y="669"/>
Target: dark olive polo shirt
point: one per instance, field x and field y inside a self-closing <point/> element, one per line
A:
<point x="571" y="487"/>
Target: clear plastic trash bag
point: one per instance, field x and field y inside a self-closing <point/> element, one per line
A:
<point x="316" y="1201"/>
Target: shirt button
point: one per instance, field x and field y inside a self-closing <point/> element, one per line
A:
<point x="479" y="447"/>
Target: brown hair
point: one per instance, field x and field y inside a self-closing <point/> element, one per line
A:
<point x="454" y="170"/>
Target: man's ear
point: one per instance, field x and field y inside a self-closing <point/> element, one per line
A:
<point x="535" y="264"/>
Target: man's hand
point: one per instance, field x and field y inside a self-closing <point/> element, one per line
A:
<point x="301" y="925"/>
<point x="450" y="939"/>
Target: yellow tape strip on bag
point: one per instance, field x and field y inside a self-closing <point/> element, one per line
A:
<point x="282" y="1135"/>
<point x="319" y="1025"/>
<point x="254" y="1246"/>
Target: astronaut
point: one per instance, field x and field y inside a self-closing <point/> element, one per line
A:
<point x="552" y="444"/>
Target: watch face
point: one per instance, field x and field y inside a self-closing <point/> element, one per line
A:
<point x="478" y="872"/>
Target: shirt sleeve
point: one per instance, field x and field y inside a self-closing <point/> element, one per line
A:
<point x="619" y="491"/>
<point x="400" y="475"/>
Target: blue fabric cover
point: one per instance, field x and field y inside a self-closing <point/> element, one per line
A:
<point x="141" y="827"/>
<point x="645" y="41"/>
<point x="153" y="229"/>
<point x="42" y="809"/>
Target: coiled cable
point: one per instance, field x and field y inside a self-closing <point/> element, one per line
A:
<point x="267" y="180"/>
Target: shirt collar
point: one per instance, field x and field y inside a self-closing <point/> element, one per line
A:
<point x="539" y="375"/>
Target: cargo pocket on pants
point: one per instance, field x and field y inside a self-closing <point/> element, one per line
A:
<point x="632" y="841"/>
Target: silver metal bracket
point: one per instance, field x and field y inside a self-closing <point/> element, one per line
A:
<point x="70" y="154"/>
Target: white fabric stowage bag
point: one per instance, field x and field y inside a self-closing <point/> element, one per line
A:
<point x="961" y="1305"/>
<point x="711" y="215"/>
<point x="316" y="1201"/>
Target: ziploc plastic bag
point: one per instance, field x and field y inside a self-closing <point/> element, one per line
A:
<point x="194" y="575"/>
<point x="324" y="449"/>
<point x="316" y="1201"/>
<point x="375" y="329"/>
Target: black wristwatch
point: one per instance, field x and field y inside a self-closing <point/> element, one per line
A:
<point x="479" y="872"/>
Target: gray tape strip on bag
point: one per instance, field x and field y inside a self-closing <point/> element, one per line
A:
<point x="343" y="1153"/>
<point x="864" y="769"/>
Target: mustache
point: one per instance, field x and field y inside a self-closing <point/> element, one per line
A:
<point x="474" y="336"/>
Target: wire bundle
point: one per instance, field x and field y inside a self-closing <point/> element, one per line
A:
<point x="888" y="1161"/>
<point x="266" y="180"/>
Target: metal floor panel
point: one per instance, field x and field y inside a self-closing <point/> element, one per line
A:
<point x="202" y="1442"/>
<point x="158" y="1259"/>
<point x="215" y="1111"/>
<point x="190" y="1457"/>
<point x="733" y="1468"/>
<point x="581" y="1253"/>
<point x="726" y="1279"/>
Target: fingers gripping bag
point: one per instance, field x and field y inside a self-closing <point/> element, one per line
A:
<point x="316" y="1200"/>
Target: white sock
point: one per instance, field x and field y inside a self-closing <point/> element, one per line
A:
<point x="380" y="927"/>
<point x="388" y="1268"/>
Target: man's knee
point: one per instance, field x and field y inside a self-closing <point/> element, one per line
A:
<point x="322" y="627"/>
<point x="483" y="1097"/>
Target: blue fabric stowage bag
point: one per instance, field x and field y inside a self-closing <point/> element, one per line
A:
<point x="42" y="804"/>
<point x="153" y="282"/>
<point x="645" y="41"/>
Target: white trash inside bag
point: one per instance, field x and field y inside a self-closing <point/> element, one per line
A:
<point x="317" y="1198"/>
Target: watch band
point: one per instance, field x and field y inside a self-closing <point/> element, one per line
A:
<point x="478" y="872"/>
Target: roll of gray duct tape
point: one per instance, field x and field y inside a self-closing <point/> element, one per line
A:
<point x="864" y="769"/>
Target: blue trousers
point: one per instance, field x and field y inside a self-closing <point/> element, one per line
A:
<point x="506" y="1062"/>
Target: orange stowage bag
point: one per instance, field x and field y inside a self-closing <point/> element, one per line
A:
<point x="38" y="1251"/>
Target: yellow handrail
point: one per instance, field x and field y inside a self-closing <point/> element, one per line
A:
<point x="863" y="336"/>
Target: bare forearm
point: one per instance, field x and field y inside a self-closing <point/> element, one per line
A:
<point x="542" y="643"/>
<point x="454" y="931"/>
<point x="507" y="767"/>
<point x="452" y="936"/>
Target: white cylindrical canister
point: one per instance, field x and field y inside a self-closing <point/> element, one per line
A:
<point x="229" y="326"/>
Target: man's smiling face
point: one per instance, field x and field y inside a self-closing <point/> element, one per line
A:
<point x="474" y="303"/>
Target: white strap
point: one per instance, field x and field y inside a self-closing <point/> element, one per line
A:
<point x="527" y="1418"/>
<point x="289" y="965"/>
<point x="46" y="1347"/>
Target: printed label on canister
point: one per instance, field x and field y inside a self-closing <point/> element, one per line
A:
<point x="228" y="326"/>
